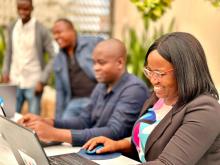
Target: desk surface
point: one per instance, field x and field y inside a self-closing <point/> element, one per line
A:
<point x="57" y="150"/>
<point x="7" y="158"/>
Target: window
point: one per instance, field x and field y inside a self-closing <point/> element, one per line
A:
<point x="91" y="17"/>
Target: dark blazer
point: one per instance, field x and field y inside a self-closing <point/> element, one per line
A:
<point x="187" y="135"/>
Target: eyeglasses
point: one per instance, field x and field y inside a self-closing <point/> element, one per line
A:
<point x="155" y="74"/>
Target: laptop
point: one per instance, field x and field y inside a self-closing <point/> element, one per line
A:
<point x="8" y="94"/>
<point x="27" y="150"/>
<point x="43" y="144"/>
<point x="2" y="112"/>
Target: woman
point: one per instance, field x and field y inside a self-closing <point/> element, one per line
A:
<point x="180" y="123"/>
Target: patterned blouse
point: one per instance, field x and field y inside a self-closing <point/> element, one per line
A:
<point x="145" y="125"/>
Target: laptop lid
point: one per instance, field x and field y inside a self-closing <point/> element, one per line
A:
<point x="2" y="112"/>
<point x="26" y="147"/>
<point x="8" y="94"/>
<point x="23" y="143"/>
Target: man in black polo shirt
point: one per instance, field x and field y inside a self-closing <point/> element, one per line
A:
<point x="74" y="75"/>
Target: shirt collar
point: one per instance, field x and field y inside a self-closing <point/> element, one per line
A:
<point x="31" y="22"/>
<point x="118" y="84"/>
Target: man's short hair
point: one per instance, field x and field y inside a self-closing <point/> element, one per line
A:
<point x="26" y="0"/>
<point x="67" y="21"/>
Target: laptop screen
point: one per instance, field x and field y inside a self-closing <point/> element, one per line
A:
<point x="23" y="143"/>
<point x="27" y="149"/>
<point x="8" y="94"/>
<point x="2" y="112"/>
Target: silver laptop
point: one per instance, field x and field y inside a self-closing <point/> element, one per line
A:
<point x="8" y="93"/>
<point x="2" y="112"/>
<point x="27" y="150"/>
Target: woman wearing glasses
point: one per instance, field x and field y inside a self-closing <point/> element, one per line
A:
<point x="180" y="123"/>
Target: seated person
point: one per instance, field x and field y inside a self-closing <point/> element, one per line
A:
<point x="74" y="75"/>
<point x="180" y="123"/>
<point x="115" y="102"/>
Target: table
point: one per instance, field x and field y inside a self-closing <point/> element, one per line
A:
<point x="7" y="157"/>
<point x="66" y="148"/>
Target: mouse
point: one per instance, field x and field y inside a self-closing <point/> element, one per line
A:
<point x="93" y="151"/>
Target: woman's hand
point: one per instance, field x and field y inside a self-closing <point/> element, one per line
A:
<point x="109" y="145"/>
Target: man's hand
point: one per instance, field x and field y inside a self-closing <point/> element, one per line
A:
<point x="39" y="87"/>
<point x="29" y="118"/>
<point x="45" y="132"/>
<point x="48" y="133"/>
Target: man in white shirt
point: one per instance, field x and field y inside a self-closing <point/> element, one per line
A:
<point x="24" y="62"/>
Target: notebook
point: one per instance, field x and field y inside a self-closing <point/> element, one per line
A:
<point x="27" y="150"/>
<point x="8" y="94"/>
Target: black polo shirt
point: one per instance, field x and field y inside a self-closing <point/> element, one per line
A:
<point x="81" y="85"/>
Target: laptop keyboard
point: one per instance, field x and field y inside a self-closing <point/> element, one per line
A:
<point x="47" y="144"/>
<point x="69" y="159"/>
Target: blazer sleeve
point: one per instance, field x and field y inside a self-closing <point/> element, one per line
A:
<point x="8" y="51"/>
<point x="49" y="49"/>
<point x="60" y="96"/>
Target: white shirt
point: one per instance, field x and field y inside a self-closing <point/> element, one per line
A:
<point x="25" y="68"/>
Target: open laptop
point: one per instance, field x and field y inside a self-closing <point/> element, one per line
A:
<point x="8" y="93"/>
<point x="2" y="112"/>
<point x="27" y="150"/>
<point x="43" y="144"/>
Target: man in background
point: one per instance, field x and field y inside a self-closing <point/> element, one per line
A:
<point x="28" y="41"/>
<point x="74" y="75"/>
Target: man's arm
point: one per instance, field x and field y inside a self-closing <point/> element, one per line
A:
<point x="44" y="45"/>
<point x="7" y="55"/>
<point x="60" y="96"/>
<point x="48" y="48"/>
<point x="48" y="133"/>
<point x="30" y="117"/>
<point x="120" y="123"/>
<point x="84" y="119"/>
<point x="44" y="127"/>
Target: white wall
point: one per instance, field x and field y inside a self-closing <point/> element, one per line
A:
<point x="197" y="17"/>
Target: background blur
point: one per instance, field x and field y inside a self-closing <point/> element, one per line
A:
<point x="121" y="19"/>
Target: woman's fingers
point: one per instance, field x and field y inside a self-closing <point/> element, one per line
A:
<point x="94" y="141"/>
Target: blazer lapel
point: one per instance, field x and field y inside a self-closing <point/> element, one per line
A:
<point x="161" y="127"/>
<point x="158" y="131"/>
